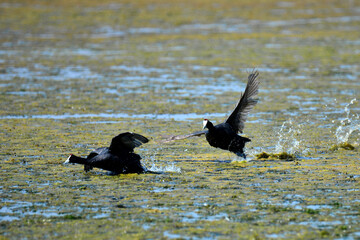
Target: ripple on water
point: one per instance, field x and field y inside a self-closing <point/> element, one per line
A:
<point x="178" y="116"/>
<point x="192" y="217"/>
<point x="170" y="235"/>
<point x="59" y="74"/>
<point x="22" y="208"/>
<point x="27" y="93"/>
<point x="160" y="190"/>
<point x="276" y="236"/>
<point x="225" y="26"/>
<point x="138" y="69"/>
<point x="8" y="218"/>
<point x="320" y="224"/>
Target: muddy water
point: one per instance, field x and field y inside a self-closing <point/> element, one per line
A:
<point x="74" y="76"/>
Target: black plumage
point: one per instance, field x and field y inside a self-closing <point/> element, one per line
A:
<point x="225" y="135"/>
<point x="119" y="157"/>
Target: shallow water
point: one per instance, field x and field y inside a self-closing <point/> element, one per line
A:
<point x="74" y="76"/>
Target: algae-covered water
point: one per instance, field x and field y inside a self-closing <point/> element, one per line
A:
<point x="73" y="74"/>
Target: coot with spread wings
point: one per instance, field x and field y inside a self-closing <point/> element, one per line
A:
<point x="225" y="135"/>
<point x="118" y="158"/>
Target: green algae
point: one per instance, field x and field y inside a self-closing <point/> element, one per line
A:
<point x="345" y="145"/>
<point x="279" y="156"/>
<point x="57" y="59"/>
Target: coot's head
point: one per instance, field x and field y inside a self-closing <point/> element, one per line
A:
<point x="205" y="123"/>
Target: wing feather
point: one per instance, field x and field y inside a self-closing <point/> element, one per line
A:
<point x="246" y="103"/>
<point x="127" y="140"/>
<point x="179" y="137"/>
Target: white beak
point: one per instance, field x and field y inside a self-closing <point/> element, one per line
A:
<point x="67" y="160"/>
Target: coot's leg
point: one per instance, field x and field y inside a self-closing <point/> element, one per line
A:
<point x="87" y="168"/>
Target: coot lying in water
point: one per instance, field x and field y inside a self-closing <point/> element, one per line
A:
<point x="118" y="158"/>
<point x="225" y="135"/>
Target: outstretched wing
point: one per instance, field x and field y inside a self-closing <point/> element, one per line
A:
<point x="179" y="137"/>
<point x="127" y="141"/>
<point x="97" y="151"/>
<point x="246" y="103"/>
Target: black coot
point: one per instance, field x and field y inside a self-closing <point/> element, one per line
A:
<point x="118" y="158"/>
<point x="225" y="135"/>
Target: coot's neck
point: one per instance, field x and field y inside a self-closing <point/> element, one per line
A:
<point x="76" y="159"/>
<point x="210" y="125"/>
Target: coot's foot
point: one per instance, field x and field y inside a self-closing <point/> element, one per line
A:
<point x="153" y="172"/>
<point x="243" y="155"/>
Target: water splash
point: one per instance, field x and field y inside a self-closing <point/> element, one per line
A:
<point x="290" y="139"/>
<point x="152" y="164"/>
<point x="349" y="124"/>
<point x="290" y="144"/>
<point x="165" y="168"/>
